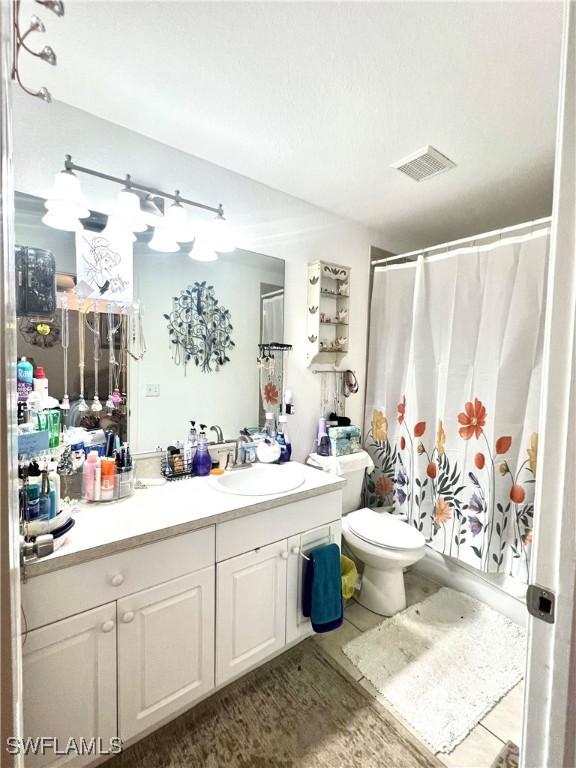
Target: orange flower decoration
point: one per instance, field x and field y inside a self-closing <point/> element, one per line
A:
<point x="517" y="494"/>
<point x="479" y="461"/>
<point x="271" y="394"/>
<point x="431" y="470"/>
<point x="419" y="429"/>
<point x="384" y="486"/>
<point x="473" y="419"/>
<point x="503" y="444"/>
<point x="442" y="511"/>
<point x="401" y="410"/>
<point x="402" y="443"/>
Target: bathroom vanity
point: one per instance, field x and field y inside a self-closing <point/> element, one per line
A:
<point x="156" y="601"/>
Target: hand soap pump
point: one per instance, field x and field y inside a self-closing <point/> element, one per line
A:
<point x="202" y="461"/>
<point x="191" y="444"/>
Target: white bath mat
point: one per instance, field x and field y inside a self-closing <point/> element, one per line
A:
<point x="442" y="664"/>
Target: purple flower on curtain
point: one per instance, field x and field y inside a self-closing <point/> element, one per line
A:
<point x="475" y="525"/>
<point x="401" y="496"/>
<point x="476" y="504"/>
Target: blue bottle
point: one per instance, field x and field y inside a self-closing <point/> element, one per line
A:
<point x="202" y="461"/>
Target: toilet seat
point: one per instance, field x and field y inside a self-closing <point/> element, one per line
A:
<point x="383" y="530"/>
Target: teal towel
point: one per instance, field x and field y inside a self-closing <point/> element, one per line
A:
<point x="322" y="594"/>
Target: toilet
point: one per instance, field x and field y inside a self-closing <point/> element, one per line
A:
<point x="385" y="543"/>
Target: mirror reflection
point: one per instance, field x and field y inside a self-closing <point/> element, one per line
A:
<point x="183" y="349"/>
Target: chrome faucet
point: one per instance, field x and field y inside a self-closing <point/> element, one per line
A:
<point x="219" y="434"/>
<point x="244" y="462"/>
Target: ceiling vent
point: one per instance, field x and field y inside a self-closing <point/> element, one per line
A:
<point x="424" y="164"/>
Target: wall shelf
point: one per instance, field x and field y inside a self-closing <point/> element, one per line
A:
<point x="328" y="314"/>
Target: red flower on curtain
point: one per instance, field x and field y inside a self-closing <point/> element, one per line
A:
<point x="271" y="394"/>
<point x="503" y="444"/>
<point x="473" y="418"/>
<point x="419" y="429"/>
<point x="401" y="410"/>
<point x="384" y="486"/>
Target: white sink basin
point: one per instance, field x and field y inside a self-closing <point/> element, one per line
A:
<point x="259" y="480"/>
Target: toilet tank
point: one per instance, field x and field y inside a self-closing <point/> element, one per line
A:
<point x="351" y="467"/>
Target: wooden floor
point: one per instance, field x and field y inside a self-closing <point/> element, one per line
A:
<point x="481" y="747"/>
<point x="298" y="711"/>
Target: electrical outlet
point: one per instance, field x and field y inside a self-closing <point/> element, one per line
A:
<point x="152" y="390"/>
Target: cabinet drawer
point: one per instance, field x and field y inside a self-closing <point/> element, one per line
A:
<point x="247" y="533"/>
<point x="58" y="594"/>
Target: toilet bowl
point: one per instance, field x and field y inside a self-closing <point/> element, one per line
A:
<point x="386" y="545"/>
<point x="383" y="542"/>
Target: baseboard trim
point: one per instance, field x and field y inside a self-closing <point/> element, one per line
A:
<point x="450" y="573"/>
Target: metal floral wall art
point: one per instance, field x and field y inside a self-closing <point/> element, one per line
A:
<point x="199" y="328"/>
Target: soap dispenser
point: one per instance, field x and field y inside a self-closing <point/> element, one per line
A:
<point x="202" y="461"/>
<point x="191" y="445"/>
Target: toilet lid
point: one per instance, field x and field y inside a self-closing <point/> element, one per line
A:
<point x="384" y="530"/>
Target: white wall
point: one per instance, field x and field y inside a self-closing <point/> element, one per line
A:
<point x="271" y="223"/>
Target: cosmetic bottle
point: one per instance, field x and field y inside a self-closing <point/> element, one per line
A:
<point x="323" y="440"/>
<point x="40" y="382"/>
<point x="107" y="472"/>
<point x="44" y="500"/>
<point x="283" y="440"/>
<point x="24" y="379"/>
<point x="202" y="461"/>
<point x="97" y="480"/>
<point x="270" y="425"/>
<point x="190" y="446"/>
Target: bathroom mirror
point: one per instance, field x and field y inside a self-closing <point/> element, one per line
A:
<point x="164" y="391"/>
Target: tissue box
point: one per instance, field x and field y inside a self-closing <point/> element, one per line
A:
<point x="344" y="440"/>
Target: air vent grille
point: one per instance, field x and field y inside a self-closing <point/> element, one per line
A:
<point x="424" y="164"/>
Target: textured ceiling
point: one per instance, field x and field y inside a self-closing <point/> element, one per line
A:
<point x="317" y="99"/>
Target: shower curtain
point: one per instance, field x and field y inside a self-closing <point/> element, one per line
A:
<point x="453" y="397"/>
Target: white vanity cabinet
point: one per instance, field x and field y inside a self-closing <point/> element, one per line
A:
<point x="120" y="644"/>
<point x="69" y="681"/>
<point x="165" y="650"/>
<point x="251" y="609"/>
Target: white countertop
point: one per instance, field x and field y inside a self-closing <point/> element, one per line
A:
<point x="159" y="512"/>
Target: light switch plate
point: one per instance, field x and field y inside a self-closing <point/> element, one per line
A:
<point x="152" y="390"/>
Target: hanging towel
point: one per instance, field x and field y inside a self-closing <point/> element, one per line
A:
<point x="322" y="594"/>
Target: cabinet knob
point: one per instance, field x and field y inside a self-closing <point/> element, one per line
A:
<point x="284" y="555"/>
<point x="128" y="617"/>
<point x="295" y="550"/>
<point x="108" y="626"/>
<point x="117" y="579"/>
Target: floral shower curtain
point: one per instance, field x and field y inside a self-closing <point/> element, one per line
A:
<point x="453" y="397"/>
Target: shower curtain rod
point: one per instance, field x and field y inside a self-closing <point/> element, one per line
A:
<point x="411" y="255"/>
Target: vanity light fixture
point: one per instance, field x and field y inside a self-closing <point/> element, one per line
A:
<point x="46" y="54"/>
<point x="140" y="205"/>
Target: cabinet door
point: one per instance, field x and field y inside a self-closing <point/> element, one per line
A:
<point x="251" y="609"/>
<point x="297" y="625"/>
<point x="165" y="650"/>
<point x="69" y="678"/>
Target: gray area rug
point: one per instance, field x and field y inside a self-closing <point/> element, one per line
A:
<point x="509" y="757"/>
<point x="297" y="711"/>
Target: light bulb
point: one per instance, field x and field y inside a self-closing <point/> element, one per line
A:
<point x="163" y="242"/>
<point x="177" y="224"/>
<point x="48" y="55"/>
<point x="202" y="251"/>
<point x="128" y="213"/>
<point x="66" y="198"/>
<point x="114" y="229"/>
<point x="62" y="221"/>
<point x="222" y="236"/>
<point x="36" y="24"/>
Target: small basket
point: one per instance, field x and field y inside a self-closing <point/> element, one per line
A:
<point x="175" y="467"/>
